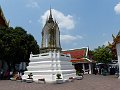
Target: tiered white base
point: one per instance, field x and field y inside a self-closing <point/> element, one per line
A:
<point x="48" y="65"/>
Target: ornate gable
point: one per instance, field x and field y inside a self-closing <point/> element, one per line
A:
<point x="3" y="21"/>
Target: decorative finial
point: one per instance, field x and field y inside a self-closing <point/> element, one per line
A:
<point x="50" y="17"/>
<point x="113" y="36"/>
<point x="109" y="43"/>
<point x="118" y="33"/>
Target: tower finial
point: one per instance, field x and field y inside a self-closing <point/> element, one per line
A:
<point x="113" y="36"/>
<point x="50" y="16"/>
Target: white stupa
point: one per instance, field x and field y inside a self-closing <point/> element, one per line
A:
<point x="50" y="61"/>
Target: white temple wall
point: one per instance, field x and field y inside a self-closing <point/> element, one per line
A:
<point x="118" y="54"/>
<point x="42" y="66"/>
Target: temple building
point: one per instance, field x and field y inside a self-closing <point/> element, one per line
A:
<point x="3" y="21"/>
<point x="81" y="59"/>
<point x="112" y="46"/>
<point x="115" y="48"/>
<point x="50" y="36"/>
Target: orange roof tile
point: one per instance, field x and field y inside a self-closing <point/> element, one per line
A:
<point x="78" y="55"/>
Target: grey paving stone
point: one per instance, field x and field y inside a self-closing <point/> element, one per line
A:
<point x="89" y="82"/>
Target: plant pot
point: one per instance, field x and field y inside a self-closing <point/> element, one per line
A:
<point x="29" y="80"/>
<point x="79" y="77"/>
<point x="59" y="81"/>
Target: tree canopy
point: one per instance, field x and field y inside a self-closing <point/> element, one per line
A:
<point x="102" y="54"/>
<point x="16" y="45"/>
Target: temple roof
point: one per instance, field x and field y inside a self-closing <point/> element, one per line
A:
<point x="3" y="21"/>
<point x="112" y="46"/>
<point x="79" y="55"/>
<point x="116" y="39"/>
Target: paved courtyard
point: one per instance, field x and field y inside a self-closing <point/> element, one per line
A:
<point x="90" y="82"/>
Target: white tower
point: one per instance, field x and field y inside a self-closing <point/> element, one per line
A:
<point x="50" y="62"/>
<point x="50" y="36"/>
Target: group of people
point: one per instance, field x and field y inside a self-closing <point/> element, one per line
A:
<point x="95" y="71"/>
<point x="6" y="75"/>
<point x="105" y="70"/>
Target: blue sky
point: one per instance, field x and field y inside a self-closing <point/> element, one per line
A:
<point x="82" y="22"/>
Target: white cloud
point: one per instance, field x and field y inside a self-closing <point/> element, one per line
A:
<point x="32" y="4"/>
<point x="65" y="22"/>
<point x="117" y="8"/>
<point x="69" y="38"/>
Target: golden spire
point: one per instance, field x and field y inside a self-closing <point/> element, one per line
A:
<point x="50" y="16"/>
<point x="50" y="13"/>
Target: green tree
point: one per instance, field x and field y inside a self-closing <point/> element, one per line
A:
<point x="1" y="49"/>
<point x="16" y="45"/>
<point x="102" y="54"/>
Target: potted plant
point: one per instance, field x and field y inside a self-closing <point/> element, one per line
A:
<point x="29" y="79"/>
<point x="30" y="76"/>
<point x="58" y="76"/>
